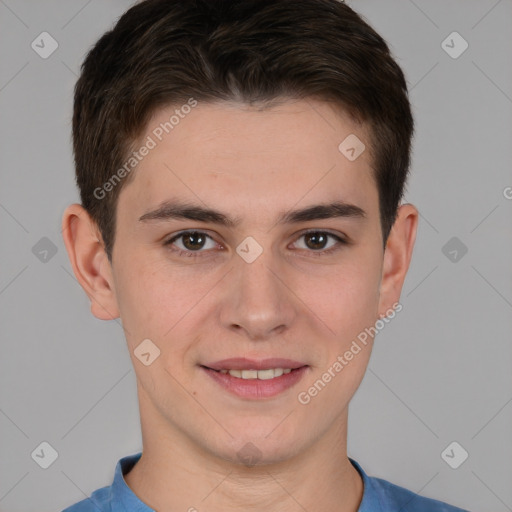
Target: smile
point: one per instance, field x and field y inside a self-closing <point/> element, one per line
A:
<point x="271" y="373"/>
<point x="256" y="379"/>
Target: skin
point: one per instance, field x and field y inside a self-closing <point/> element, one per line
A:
<point x="289" y="302"/>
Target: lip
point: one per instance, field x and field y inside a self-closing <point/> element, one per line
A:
<point x="255" y="389"/>
<point x="243" y="363"/>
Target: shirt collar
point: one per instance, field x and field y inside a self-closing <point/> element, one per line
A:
<point x="370" y="501"/>
<point x="122" y="497"/>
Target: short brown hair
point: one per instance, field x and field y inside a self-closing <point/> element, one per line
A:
<point x="164" y="52"/>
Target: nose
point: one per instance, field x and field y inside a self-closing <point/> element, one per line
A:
<point x="258" y="302"/>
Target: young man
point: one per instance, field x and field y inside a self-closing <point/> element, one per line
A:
<point x="241" y="165"/>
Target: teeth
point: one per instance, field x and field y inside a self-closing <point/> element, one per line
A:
<point x="265" y="374"/>
<point x="258" y="374"/>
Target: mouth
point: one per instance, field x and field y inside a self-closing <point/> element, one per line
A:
<point x="250" y="374"/>
<point x="256" y="379"/>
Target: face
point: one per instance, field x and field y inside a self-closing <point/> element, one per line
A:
<point x="255" y="288"/>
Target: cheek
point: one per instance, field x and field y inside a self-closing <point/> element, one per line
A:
<point x="149" y="304"/>
<point x="156" y="300"/>
<point x="348" y="299"/>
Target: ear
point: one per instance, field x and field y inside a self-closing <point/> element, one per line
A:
<point x="397" y="256"/>
<point x="89" y="260"/>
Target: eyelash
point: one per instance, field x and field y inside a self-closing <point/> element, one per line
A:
<point x="196" y="254"/>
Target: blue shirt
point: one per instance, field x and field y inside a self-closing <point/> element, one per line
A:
<point x="378" y="495"/>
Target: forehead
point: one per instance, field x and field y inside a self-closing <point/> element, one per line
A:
<point x="257" y="160"/>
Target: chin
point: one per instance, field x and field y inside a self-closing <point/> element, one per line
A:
<point x="258" y="445"/>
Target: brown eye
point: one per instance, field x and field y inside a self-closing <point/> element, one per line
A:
<point x="191" y="242"/>
<point x="315" y="242"/>
<point x="194" y="240"/>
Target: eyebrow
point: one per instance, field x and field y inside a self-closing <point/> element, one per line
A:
<point x="180" y="210"/>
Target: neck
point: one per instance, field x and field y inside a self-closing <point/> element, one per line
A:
<point x="174" y="474"/>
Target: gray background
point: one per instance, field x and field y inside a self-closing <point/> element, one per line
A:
<point x="440" y="372"/>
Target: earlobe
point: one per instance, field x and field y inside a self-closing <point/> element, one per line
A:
<point x="397" y="256"/>
<point x="89" y="261"/>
